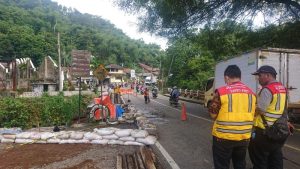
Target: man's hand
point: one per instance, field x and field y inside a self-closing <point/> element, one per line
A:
<point x="291" y="128"/>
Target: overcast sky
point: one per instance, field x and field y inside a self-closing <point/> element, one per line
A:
<point x="123" y="21"/>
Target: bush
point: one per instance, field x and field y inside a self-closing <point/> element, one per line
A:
<point x="44" y="111"/>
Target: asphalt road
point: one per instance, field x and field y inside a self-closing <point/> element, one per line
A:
<point x="189" y="142"/>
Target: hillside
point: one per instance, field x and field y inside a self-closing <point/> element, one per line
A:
<point x="28" y="28"/>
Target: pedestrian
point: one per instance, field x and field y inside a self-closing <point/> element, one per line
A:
<point x="146" y="95"/>
<point x="265" y="153"/>
<point x="117" y="94"/>
<point x="232" y="109"/>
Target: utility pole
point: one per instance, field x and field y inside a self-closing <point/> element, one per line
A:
<point x="59" y="63"/>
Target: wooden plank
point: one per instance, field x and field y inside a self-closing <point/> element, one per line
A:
<point x="124" y="162"/>
<point x="130" y="163"/>
<point x="135" y="161"/>
<point x="119" y="161"/>
<point x="140" y="160"/>
<point x="147" y="158"/>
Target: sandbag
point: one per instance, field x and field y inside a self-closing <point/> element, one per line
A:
<point x="40" y="141"/>
<point x="53" y="140"/>
<point x="92" y="136"/>
<point x="23" y="141"/>
<point x="35" y="136"/>
<point x="133" y="143"/>
<point x="111" y="137"/>
<point x="76" y="135"/>
<point x="139" y="133"/>
<point x="127" y="138"/>
<point x="63" y="135"/>
<point x="105" y="131"/>
<point x="9" y="136"/>
<point x="119" y="142"/>
<point x="24" y="135"/>
<point x="149" y="140"/>
<point x="5" y="140"/>
<point x="82" y="141"/>
<point x="123" y="132"/>
<point x="47" y="135"/>
<point x="104" y="141"/>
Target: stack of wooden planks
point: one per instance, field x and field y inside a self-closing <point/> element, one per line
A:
<point x="142" y="159"/>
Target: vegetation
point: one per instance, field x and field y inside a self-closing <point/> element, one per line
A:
<point x="28" y="28"/>
<point x="43" y="111"/>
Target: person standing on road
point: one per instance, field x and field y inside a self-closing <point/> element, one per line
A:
<point x="265" y="153"/>
<point x="146" y="95"/>
<point x="232" y="108"/>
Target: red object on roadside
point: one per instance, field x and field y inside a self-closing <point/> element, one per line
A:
<point x="183" y="112"/>
<point x="106" y="102"/>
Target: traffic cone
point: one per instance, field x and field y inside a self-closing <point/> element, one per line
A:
<point x="183" y="113"/>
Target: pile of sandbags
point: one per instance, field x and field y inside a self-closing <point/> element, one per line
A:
<point x="98" y="136"/>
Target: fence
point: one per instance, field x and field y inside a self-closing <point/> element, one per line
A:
<point x="193" y="94"/>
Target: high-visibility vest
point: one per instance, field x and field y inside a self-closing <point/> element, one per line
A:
<point x="236" y="115"/>
<point x="276" y="107"/>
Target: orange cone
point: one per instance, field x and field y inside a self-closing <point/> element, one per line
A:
<point x="183" y="113"/>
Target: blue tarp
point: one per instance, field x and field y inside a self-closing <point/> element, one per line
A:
<point x="119" y="111"/>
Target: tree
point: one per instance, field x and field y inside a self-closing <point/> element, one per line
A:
<point x="173" y="17"/>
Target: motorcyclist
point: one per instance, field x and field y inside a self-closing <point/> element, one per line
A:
<point x="174" y="93"/>
<point x="154" y="91"/>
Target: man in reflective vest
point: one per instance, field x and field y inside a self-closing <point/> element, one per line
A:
<point x="232" y="108"/>
<point x="265" y="153"/>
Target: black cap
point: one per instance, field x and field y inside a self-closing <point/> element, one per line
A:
<point x="265" y="69"/>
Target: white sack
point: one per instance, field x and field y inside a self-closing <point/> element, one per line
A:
<point x="133" y="143"/>
<point x="139" y="133"/>
<point x="127" y="139"/>
<point x="82" y="141"/>
<point x="149" y="140"/>
<point x="119" y="142"/>
<point x="76" y="135"/>
<point x="9" y="136"/>
<point x="63" y="135"/>
<point x="53" y="140"/>
<point x="23" y="141"/>
<point x="41" y="141"/>
<point x="35" y="136"/>
<point x="99" y="141"/>
<point x="123" y="132"/>
<point x="111" y="137"/>
<point x="23" y="135"/>
<point x="47" y="135"/>
<point x="92" y="136"/>
<point x="105" y="131"/>
<point x="5" y="140"/>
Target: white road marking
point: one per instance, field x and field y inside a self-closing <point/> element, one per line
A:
<point x="167" y="156"/>
<point x="285" y="145"/>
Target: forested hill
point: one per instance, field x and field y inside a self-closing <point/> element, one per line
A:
<point x="28" y="28"/>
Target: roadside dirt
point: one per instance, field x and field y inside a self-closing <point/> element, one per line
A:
<point x="55" y="156"/>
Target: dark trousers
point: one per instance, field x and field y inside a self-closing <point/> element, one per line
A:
<point x="116" y="98"/>
<point x="265" y="153"/>
<point x="225" y="150"/>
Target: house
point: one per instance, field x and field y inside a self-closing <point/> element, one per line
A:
<point x="149" y="74"/>
<point x="47" y="76"/>
<point x="116" y="73"/>
<point x="3" y="73"/>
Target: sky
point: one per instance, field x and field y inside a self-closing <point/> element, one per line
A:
<point x="105" y="8"/>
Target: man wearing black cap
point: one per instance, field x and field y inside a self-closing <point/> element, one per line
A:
<point x="265" y="153"/>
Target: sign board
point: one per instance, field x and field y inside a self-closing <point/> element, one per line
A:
<point x="100" y="73"/>
<point x="80" y="63"/>
<point x="132" y="73"/>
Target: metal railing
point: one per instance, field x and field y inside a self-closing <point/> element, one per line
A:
<point x="193" y="94"/>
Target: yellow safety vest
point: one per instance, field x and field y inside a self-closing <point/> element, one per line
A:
<point x="276" y="107"/>
<point x="236" y="115"/>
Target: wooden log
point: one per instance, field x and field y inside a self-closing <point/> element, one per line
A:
<point x="119" y="161"/>
<point x="147" y="158"/>
<point x="140" y="160"/>
<point x="130" y="163"/>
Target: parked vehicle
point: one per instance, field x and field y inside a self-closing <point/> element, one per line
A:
<point x="285" y="61"/>
<point x="173" y="101"/>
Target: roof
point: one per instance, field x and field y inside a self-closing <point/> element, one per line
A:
<point x="127" y="70"/>
<point x="114" y="66"/>
<point x="149" y="69"/>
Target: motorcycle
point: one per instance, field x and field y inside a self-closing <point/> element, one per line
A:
<point x="154" y="94"/>
<point x="173" y="101"/>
